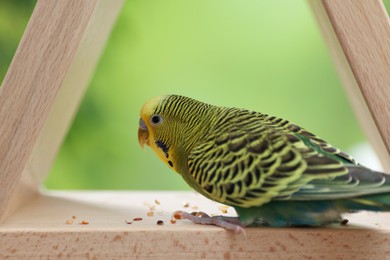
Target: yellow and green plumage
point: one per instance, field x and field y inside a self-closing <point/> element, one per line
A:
<point x="270" y="170"/>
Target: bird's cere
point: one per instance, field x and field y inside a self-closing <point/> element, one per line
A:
<point x="142" y="124"/>
<point x="143" y="134"/>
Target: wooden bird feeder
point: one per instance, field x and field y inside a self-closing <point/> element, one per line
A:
<point x="41" y="92"/>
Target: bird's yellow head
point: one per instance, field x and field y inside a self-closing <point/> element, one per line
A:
<point x="150" y="125"/>
<point x="170" y="125"/>
<point x="149" y="121"/>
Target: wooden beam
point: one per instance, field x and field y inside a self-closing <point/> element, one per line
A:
<point x="43" y="87"/>
<point x="358" y="35"/>
<point x="39" y="230"/>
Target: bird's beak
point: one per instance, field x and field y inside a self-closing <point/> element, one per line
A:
<point x="143" y="134"/>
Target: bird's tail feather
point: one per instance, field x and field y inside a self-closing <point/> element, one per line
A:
<point x="375" y="202"/>
<point x="375" y="189"/>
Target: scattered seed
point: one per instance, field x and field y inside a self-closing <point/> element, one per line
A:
<point x="186" y="204"/>
<point x="137" y="219"/>
<point x="223" y="208"/>
<point x="69" y="221"/>
<point x="83" y="222"/>
<point x="152" y="207"/>
<point x="128" y="222"/>
<point x="177" y="215"/>
<point x="344" y="222"/>
<point x="150" y="213"/>
<point x="157" y="202"/>
<point x="73" y="217"/>
<point x="160" y="222"/>
<point x="195" y="207"/>
<point x="173" y="221"/>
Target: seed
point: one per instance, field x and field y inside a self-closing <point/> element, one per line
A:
<point x="173" y="221"/>
<point x="157" y="202"/>
<point x="150" y="213"/>
<point x="177" y="215"/>
<point x="223" y="208"/>
<point x="69" y="221"/>
<point x="344" y="222"/>
<point x="186" y="204"/>
<point x="84" y="222"/>
<point x="137" y="219"/>
<point x="160" y="222"/>
<point x="128" y="222"/>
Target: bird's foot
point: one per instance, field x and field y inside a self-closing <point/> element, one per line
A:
<point x="228" y="223"/>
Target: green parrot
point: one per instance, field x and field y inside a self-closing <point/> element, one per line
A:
<point x="273" y="172"/>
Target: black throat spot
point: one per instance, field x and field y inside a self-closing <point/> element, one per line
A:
<point x="163" y="147"/>
<point x="170" y="163"/>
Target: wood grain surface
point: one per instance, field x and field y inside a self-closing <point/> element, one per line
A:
<point x="39" y="230"/>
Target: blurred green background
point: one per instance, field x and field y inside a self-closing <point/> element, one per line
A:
<point x="267" y="56"/>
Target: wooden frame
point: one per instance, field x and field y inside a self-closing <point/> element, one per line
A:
<point x="42" y="89"/>
<point x="41" y="92"/>
<point x="358" y="36"/>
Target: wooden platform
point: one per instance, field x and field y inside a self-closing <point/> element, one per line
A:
<point x="39" y="229"/>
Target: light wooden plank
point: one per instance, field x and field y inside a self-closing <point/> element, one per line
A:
<point x="358" y="35"/>
<point x="43" y="87"/>
<point x="41" y="224"/>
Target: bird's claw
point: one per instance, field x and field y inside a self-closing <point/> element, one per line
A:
<point x="228" y="223"/>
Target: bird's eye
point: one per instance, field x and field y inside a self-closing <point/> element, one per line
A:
<point x="156" y="120"/>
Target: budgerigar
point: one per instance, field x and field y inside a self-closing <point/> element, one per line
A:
<point x="273" y="172"/>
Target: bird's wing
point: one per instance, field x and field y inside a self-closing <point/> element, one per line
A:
<point x="357" y="181"/>
<point x="257" y="160"/>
